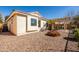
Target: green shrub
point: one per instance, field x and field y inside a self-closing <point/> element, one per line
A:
<point x="76" y="32"/>
<point x="49" y="28"/>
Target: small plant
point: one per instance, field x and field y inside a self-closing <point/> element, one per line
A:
<point x="53" y="33"/>
<point x="50" y="27"/>
<point x="77" y="35"/>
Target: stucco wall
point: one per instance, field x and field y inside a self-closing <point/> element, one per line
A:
<point x="29" y="27"/>
<point x="21" y="24"/>
<point x="12" y="25"/>
<point x="43" y="24"/>
<point x="1" y="26"/>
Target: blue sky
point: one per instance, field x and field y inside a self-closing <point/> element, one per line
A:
<point x="48" y="12"/>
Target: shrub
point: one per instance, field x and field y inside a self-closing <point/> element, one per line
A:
<point x="50" y="27"/>
<point x="53" y="33"/>
<point x="76" y="32"/>
<point x="77" y="35"/>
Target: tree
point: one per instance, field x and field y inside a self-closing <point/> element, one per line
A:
<point x="6" y="18"/>
<point x="51" y="21"/>
<point x="1" y="22"/>
<point x="76" y="20"/>
<point x="1" y="19"/>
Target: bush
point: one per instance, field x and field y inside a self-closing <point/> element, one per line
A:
<point x="49" y="28"/>
<point x="76" y="32"/>
<point x="53" y="33"/>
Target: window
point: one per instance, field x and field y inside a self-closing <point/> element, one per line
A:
<point x="33" y="22"/>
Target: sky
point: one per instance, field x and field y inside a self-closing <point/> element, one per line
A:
<point x="49" y="12"/>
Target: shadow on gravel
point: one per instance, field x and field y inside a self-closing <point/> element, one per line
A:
<point x="6" y="33"/>
<point x="71" y="39"/>
<point x="65" y="50"/>
<point x="72" y="51"/>
<point x="66" y="46"/>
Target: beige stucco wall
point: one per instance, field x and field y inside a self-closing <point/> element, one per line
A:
<point x="12" y="25"/>
<point x="43" y="23"/>
<point x="29" y="27"/>
<point x="1" y="26"/>
<point x="21" y="24"/>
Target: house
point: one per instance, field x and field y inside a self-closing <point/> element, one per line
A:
<point x="60" y="23"/>
<point x="20" y="23"/>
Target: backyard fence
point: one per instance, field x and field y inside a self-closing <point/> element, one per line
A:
<point x="1" y="26"/>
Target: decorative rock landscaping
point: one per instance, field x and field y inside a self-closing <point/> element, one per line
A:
<point x="38" y="42"/>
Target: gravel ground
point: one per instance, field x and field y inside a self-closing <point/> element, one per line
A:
<point x="34" y="42"/>
<point x="72" y="46"/>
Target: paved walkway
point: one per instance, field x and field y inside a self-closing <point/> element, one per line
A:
<point x="32" y="42"/>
